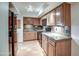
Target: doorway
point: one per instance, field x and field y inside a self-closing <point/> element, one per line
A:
<point x="12" y="33"/>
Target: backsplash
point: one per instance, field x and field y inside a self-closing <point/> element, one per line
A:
<point x="61" y="30"/>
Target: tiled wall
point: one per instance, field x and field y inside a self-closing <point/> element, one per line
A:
<point x="65" y="30"/>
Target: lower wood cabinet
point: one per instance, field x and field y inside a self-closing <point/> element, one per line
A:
<point x="56" y="47"/>
<point x="44" y="44"/>
<point x="29" y="36"/>
<point x="63" y="47"/>
<point x="39" y="37"/>
<point x="59" y="48"/>
<point x="51" y="50"/>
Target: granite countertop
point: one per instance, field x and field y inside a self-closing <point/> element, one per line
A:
<point x="55" y="36"/>
<point x="32" y="30"/>
<point x="29" y="30"/>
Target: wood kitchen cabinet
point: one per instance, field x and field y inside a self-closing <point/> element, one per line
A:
<point x="54" y="47"/>
<point x="51" y="49"/>
<point x="59" y="48"/>
<point x="27" y="21"/>
<point x="44" y="43"/>
<point x="51" y="18"/>
<point x="40" y="21"/>
<point x="29" y="36"/>
<point x="63" y="48"/>
<point x="31" y="20"/>
<point x="63" y="15"/>
<point x="44" y="22"/>
<point x="36" y="21"/>
<point x="67" y="14"/>
<point x="48" y="46"/>
<point x="59" y="15"/>
<point x="39" y="37"/>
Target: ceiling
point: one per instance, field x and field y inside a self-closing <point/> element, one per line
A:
<point x="33" y="9"/>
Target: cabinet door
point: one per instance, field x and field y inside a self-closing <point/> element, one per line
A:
<point x="51" y="50"/>
<point x="67" y="14"/>
<point x="63" y="48"/>
<point x="36" y="21"/>
<point x="40" y="21"/>
<point x="59" y="15"/>
<point x="44" y="44"/>
<point x="28" y="21"/>
<point x="63" y="15"/>
<point x="44" y="22"/>
<point x="51" y="18"/>
<point x="30" y="35"/>
<point x="39" y="37"/>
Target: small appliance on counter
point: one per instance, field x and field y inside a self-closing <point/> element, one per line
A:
<point x="48" y="29"/>
<point x="38" y="27"/>
<point x="44" y="27"/>
<point x="59" y="29"/>
<point x="67" y="30"/>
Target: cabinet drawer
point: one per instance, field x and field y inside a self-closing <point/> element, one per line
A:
<point x="51" y="42"/>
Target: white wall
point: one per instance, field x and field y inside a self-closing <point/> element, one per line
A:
<point x="20" y="31"/>
<point x="75" y="28"/>
<point x="4" y="49"/>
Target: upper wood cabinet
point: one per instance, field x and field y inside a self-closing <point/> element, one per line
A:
<point x="63" y="15"/>
<point x="44" y="22"/>
<point x="60" y="15"/>
<point x="43" y="18"/>
<point x="27" y="20"/>
<point x="30" y="20"/>
<point x="36" y="21"/>
<point x="40" y="21"/>
<point x="51" y="18"/>
<point x="67" y="14"/>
